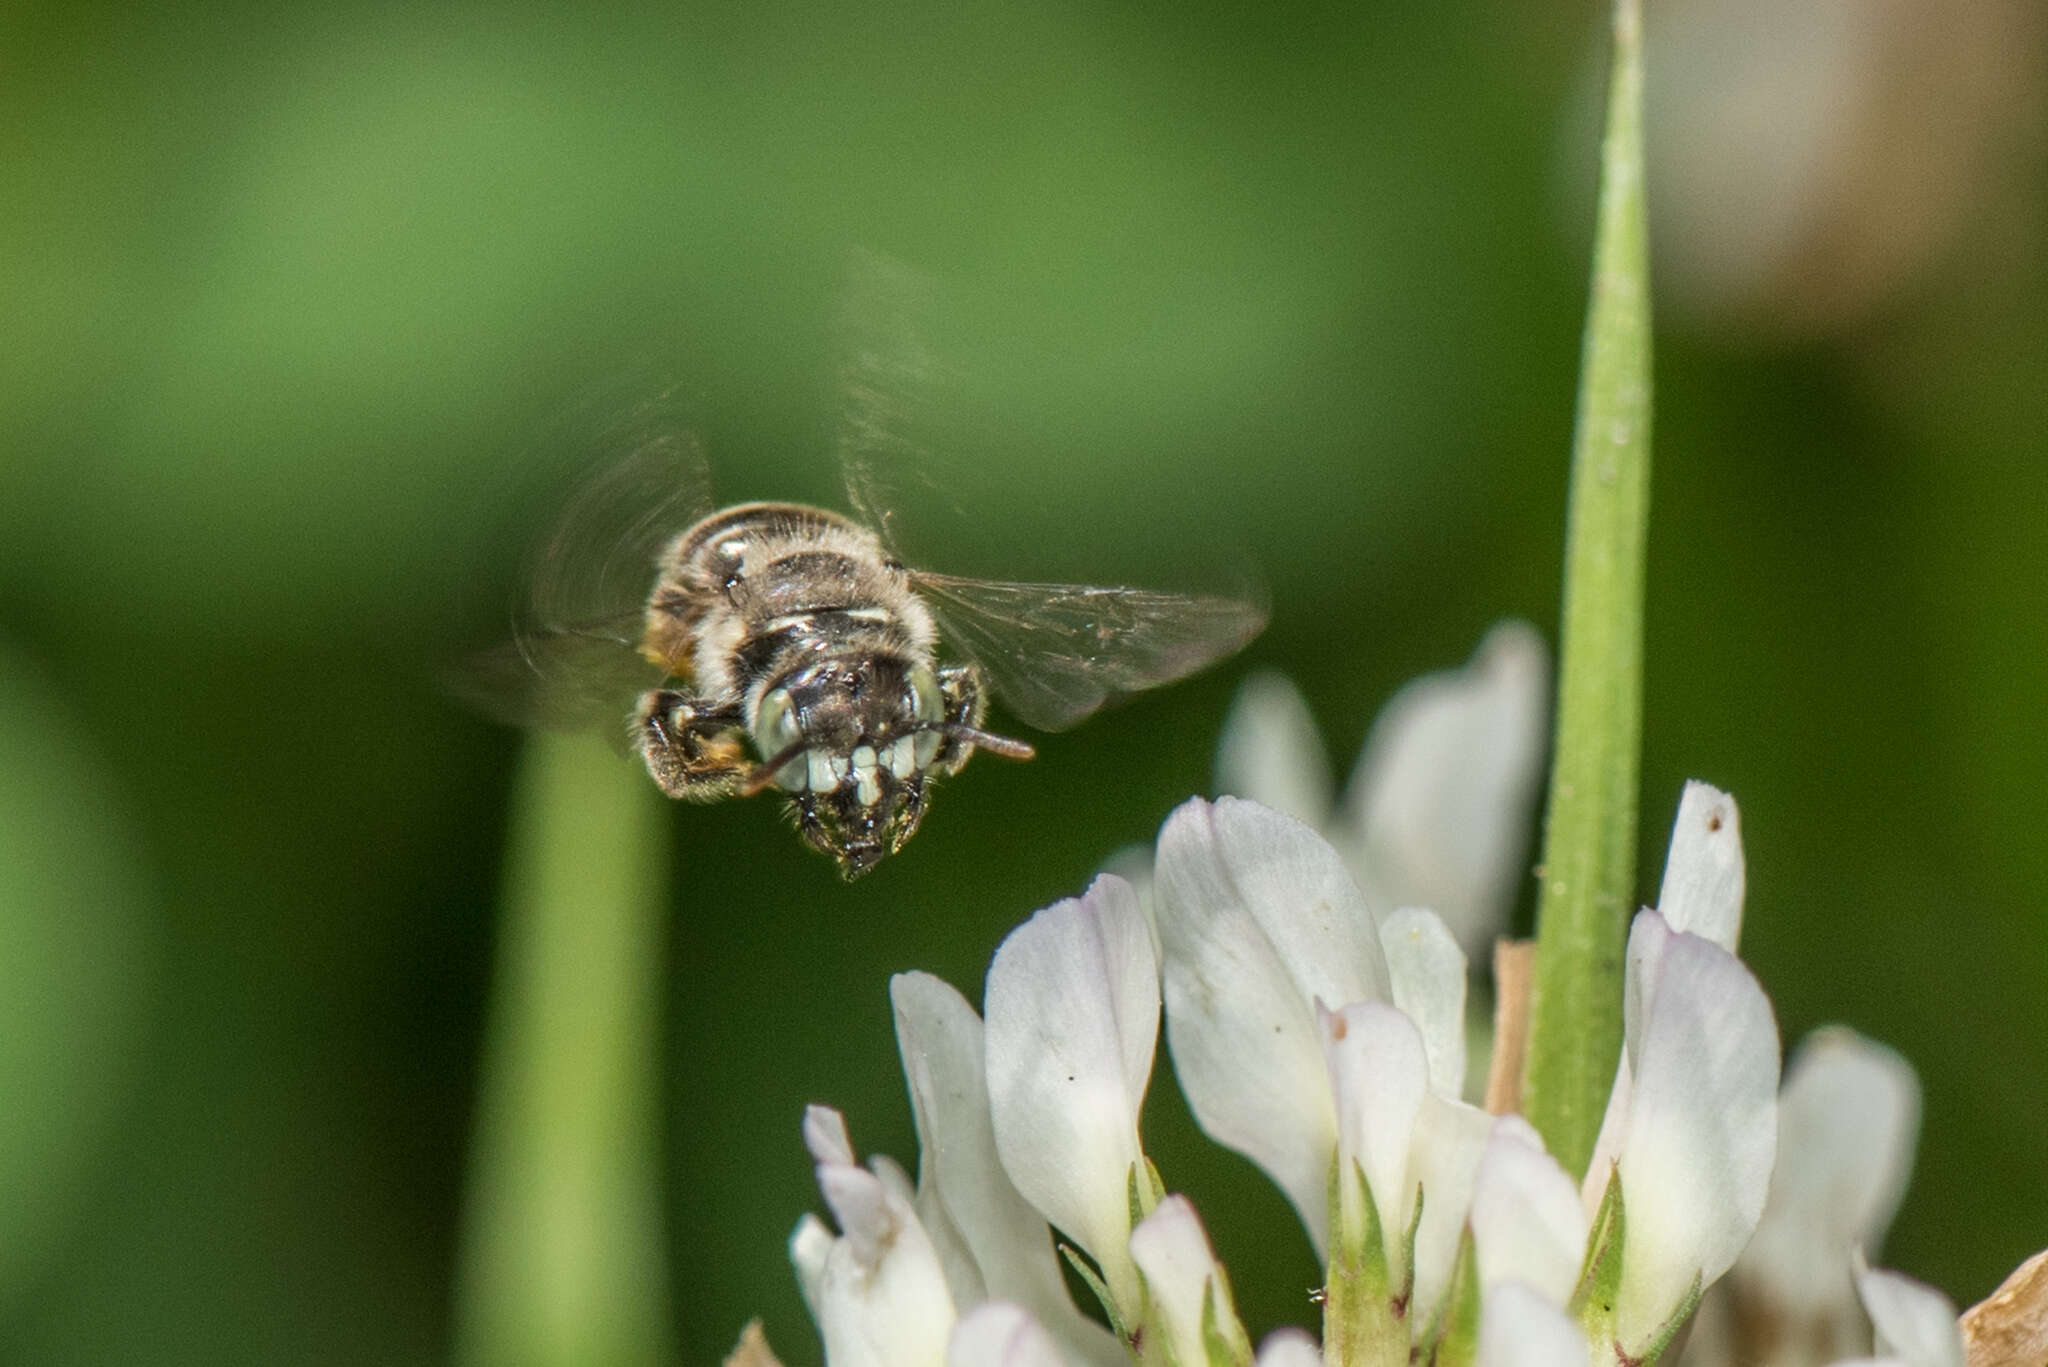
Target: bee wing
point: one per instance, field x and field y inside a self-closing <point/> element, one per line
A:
<point x="1052" y="652"/>
<point x="1056" y="652"/>
<point x="555" y="680"/>
<point x="573" y="659"/>
<point x="893" y="455"/>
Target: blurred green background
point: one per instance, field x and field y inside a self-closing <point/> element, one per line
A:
<point x="295" y="300"/>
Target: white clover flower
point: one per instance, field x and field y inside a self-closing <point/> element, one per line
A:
<point x="1290" y="1348"/>
<point x="992" y="1243"/>
<point x="1916" y="1325"/>
<point x="1000" y="1334"/>
<point x="1412" y="1153"/>
<point x="1847" y="1116"/>
<point x="1437" y="810"/>
<point x="886" y="1288"/>
<point x="1692" y="1137"/>
<point x="1528" y="1224"/>
<point x="1073" y="1016"/>
<point x="1686" y="1147"/>
<point x="1324" y="1042"/>
<point x="1522" y="1327"/>
<point x="1323" y="1046"/>
<point x="1258" y="923"/>
<point x="1187" y="1288"/>
<point x="876" y="1288"/>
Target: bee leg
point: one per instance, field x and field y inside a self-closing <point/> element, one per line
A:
<point x="695" y="749"/>
<point x="908" y="817"/>
<point x="960" y="688"/>
<point x="804" y="809"/>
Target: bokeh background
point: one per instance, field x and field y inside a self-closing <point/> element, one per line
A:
<point x="295" y="300"/>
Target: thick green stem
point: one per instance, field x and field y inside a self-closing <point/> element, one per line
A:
<point x="1590" y="830"/>
<point x="562" y="1256"/>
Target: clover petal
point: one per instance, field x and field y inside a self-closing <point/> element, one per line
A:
<point x="1072" y="1007"/>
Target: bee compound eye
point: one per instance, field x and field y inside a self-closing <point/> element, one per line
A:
<point x="775" y="725"/>
<point x="928" y="706"/>
<point x="927" y="703"/>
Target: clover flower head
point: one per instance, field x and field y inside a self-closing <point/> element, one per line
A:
<point x="1318" y="1029"/>
<point x="1322" y="1037"/>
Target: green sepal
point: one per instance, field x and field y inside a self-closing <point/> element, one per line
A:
<point x="1140" y="1198"/>
<point x="1333" y="1202"/>
<point x="1406" y="1290"/>
<point x="1452" y="1339"/>
<point x="1592" y="1302"/>
<point x="1224" y="1341"/>
<point x="1365" y="1242"/>
<point x="1361" y="1323"/>
<point x="1668" y="1330"/>
<point x="1095" y="1284"/>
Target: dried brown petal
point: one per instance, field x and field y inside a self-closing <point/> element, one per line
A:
<point x="752" y="1350"/>
<point x="2009" y="1328"/>
<point x="1514" y="965"/>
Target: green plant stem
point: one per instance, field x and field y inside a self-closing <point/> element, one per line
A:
<point x="562" y="1255"/>
<point x="1589" y="840"/>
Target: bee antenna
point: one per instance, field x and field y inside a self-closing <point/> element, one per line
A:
<point x="1005" y="746"/>
<point x="763" y="774"/>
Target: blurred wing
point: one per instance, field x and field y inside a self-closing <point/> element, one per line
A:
<point x="573" y="660"/>
<point x="555" y="681"/>
<point x="1052" y="652"/>
<point x="892" y="456"/>
<point x="1056" y="652"/>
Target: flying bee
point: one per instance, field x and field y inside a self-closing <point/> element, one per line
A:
<point x="779" y="646"/>
<point x="799" y="632"/>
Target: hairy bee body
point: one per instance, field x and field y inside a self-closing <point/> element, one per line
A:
<point x="747" y="591"/>
<point x="796" y="629"/>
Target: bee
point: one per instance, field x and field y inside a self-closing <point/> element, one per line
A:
<point x="778" y="646"/>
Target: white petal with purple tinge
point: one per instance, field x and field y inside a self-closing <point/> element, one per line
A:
<point x="1258" y="920"/>
<point x="1697" y="1145"/>
<point x="962" y="1187"/>
<point x="1072" y="1017"/>
<point x="1173" y="1252"/>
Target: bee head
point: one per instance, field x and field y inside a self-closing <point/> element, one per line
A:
<point x="850" y="740"/>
